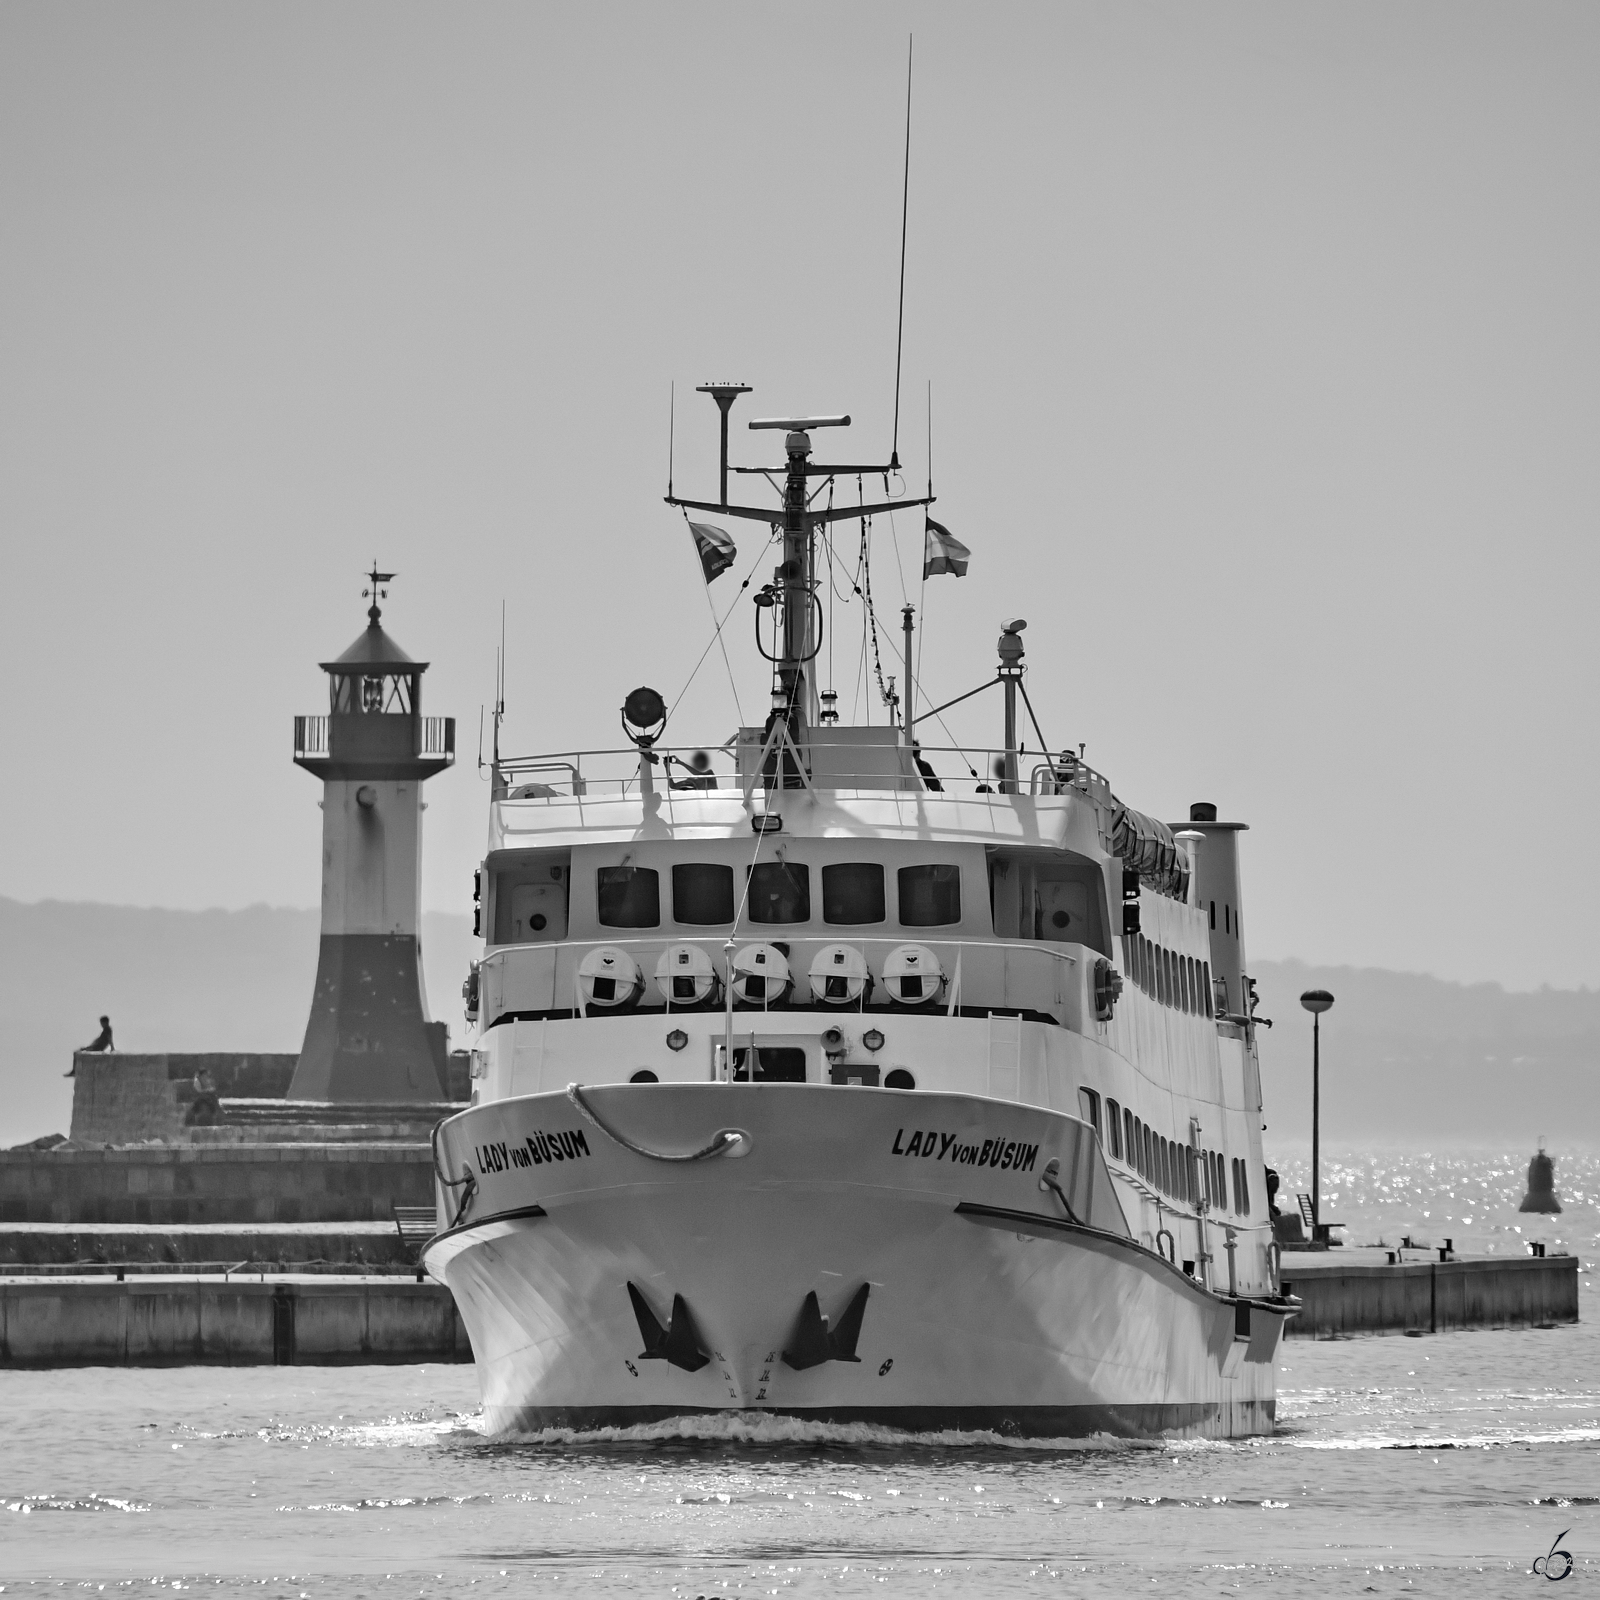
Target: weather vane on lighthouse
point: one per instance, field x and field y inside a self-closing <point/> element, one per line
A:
<point x="377" y="593"/>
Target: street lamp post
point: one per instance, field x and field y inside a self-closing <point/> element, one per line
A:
<point x="1316" y="1001"/>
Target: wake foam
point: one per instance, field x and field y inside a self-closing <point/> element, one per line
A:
<point x="767" y="1429"/>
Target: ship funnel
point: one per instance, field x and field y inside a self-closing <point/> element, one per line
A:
<point x="1216" y="892"/>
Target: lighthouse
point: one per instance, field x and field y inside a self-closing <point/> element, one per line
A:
<point x="368" y="1037"/>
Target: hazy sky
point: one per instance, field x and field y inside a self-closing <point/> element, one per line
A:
<point x="1263" y="344"/>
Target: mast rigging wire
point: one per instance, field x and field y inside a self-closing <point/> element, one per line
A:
<point x="905" y="206"/>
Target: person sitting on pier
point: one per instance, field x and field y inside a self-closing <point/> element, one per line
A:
<point x="102" y="1042"/>
<point x="698" y="773"/>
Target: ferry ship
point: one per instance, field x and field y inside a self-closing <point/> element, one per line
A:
<point x="814" y="1080"/>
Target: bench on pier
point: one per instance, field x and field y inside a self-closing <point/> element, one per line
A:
<point x="1316" y="1232"/>
<point x="416" y="1225"/>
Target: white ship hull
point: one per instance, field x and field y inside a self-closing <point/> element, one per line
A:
<point x="986" y="1308"/>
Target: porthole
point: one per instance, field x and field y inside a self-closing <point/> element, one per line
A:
<point x="537" y="922"/>
<point x="644" y="1075"/>
<point x="1059" y="919"/>
<point x="899" y="1078"/>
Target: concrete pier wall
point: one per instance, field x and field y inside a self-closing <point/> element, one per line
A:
<point x="1429" y="1296"/>
<point x="195" y="1184"/>
<point x="206" y="1321"/>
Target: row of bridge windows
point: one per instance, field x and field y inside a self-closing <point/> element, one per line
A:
<point x="1184" y="1172"/>
<point x="1182" y="982"/>
<point x="779" y="892"/>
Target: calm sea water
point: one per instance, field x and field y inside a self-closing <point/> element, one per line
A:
<point x="1419" y="1466"/>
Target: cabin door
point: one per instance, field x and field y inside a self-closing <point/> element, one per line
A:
<point x="1005" y="1057"/>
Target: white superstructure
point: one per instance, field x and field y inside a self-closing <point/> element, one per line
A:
<point x="846" y="1092"/>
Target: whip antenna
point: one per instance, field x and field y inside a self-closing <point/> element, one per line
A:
<point x="900" y="329"/>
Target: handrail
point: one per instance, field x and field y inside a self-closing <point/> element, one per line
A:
<point x="725" y="1141"/>
<point x="1084" y="776"/>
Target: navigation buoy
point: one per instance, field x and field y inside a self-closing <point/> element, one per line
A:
<point x="1541" y="1195"/>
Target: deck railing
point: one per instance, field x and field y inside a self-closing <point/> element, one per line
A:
<point x="961" y="772"/>
<point x="985" y="973"/>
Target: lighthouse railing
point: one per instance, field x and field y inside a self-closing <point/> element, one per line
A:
<point x="310" y="738"/>
<point x="436" y="736"/>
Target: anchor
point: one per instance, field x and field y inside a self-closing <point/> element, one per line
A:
<point x="814" y="1342"/>
<point x="678" y="1343"/>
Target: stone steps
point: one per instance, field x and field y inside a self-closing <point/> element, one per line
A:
<point x="298" y="1133"/>
<point x="333" y="1113"/>
<point x="333" y="1246"/>
<point x="260" y="1183"/>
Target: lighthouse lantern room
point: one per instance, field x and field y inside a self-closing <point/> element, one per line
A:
<point x="368" y="1037"/>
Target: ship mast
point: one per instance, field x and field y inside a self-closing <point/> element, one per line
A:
<point x="794" y="587"/>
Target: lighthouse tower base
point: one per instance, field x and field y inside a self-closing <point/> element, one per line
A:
<point x="368" y="1037"/>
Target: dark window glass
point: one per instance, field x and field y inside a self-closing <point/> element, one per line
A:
<point x="702" y="894"/>
<point x="852" y="893"/>
<point x="630" y="897"/>
<point x="780" y="891"/>
<point x="930" y="896"/>
<point x="1114" y="1127"/>
<point x="1089" y="1105"/>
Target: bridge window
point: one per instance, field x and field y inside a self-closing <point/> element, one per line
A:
<point x="1114" y="1127"/>
<point x="1089" y="1105"/>
<point x="1130" y="1142"/>
<point x="930" y="897"/>
<point x="780" y="891"/>
<point x="852" y="893"/>
<point x="629" y="897"/>
<point x="702" y="894"/>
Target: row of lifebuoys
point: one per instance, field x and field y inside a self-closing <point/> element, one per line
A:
<point x="686" y="976"/>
